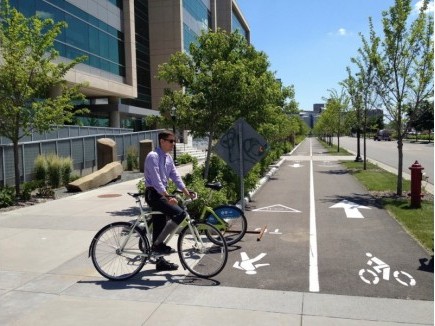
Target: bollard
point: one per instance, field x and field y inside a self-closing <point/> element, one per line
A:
<point x="416" y="177"/>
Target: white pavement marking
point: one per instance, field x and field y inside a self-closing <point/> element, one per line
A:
<point x="350" y="208"/>
<point x="278" y="208"/>
<point x="314" y="270"/>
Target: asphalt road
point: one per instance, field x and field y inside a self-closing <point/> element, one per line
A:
<point x="325" y="234"/>
<point x="386" y="152"/>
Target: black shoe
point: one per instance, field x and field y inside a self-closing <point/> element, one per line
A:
<point x="163" y="265"/>
<point x="162" y="249"/>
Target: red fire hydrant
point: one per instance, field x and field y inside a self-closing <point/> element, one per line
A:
<point x="416" y="177"/>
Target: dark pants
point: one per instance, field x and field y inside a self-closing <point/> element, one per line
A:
<point x="160" y="203"/>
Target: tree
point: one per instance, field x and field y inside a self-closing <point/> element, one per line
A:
<point x="425" y="120"/>
<point x="361" y="87"/>
<point x="353" y="87"/>
<point x="28" y="75"/>
<point x="404" y="68"/>
<point x="221" y="79"/>
<point x="336" y="105"/>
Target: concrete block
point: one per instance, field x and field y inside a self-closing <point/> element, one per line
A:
<point x="145" y="146"/>
<point x="106" y="152"/>
<point x="108" y="173"/>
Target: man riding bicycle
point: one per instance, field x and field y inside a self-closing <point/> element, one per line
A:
<point x="159" y="167"/>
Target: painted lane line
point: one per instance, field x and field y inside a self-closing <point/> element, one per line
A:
<point x="314" y="270"/>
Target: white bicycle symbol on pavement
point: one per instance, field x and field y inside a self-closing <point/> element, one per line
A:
<point x="381" y="268"/>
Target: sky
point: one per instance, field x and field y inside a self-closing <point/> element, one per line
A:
<point x="309" y="44"/>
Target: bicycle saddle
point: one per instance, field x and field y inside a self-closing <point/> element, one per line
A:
<point x="214" y="185"/>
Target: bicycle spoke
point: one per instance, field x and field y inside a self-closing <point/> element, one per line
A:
<point x="202" y="255"/>
<point x="112" y="261"/>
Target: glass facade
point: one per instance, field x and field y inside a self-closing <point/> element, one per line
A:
<point x="102" y="43"/>
<point x="142" y="56"/>
<point x="237" y="25"/>
<point x="196" y="18"/>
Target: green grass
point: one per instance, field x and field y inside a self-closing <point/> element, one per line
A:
<point x="419" y="222"/>
<point x="333" y="149"/>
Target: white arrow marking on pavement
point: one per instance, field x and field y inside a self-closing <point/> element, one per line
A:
<point x="276" y="209"/>
<point x="275" y="232"/>
<point x="296" y="165"/>
<point x="350" y="208"/>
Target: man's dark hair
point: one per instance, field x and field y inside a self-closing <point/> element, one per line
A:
<point x="165" y="134"/>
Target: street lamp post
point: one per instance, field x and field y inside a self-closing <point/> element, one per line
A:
<point x="174" y="117"/>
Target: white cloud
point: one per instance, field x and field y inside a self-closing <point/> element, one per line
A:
<point x="340" y="32"/>
<point x="419" y="4"/>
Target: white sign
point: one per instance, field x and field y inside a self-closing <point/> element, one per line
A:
<point x="351" y="209"/>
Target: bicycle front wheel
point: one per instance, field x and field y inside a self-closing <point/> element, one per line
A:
<point x="198" y="253"/>
<point x="236" y="224"/>
<point x="110" y="259"/>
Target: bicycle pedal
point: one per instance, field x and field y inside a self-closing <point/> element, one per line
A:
<point x="154" y="258"/>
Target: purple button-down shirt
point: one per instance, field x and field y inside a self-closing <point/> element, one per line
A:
<point x="159" y="167"/>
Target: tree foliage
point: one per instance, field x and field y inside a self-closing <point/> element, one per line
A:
<point x="28" y="75"/>
<point x="404" y="68"/>
<point x="221" y="79"/>
<point x="335" y="120"/>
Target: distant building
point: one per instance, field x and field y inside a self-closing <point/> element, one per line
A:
<point x="318" y="108"/>
<point x="310" y="117"/>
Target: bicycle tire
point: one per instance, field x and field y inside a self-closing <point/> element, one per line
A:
<point x="106" y="255"/>
<point x="205" y="259"/>
<point x="236" y="219"/>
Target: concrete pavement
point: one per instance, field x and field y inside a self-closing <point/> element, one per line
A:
<point x="47" y="278"/>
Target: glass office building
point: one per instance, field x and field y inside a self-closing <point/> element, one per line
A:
<point x="124" y="42"/>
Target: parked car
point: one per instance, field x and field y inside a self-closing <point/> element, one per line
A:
<point x="382" y="134"/>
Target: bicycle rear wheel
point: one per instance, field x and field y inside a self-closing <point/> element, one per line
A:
<point x="113" y="262"/>
<point x="198" y="253"/>
<point x="237" y="223"/>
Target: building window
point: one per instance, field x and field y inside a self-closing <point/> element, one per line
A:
<point x="236" y="25"/>
<point x="85" y="35"/>
<point x="196" y="18"/>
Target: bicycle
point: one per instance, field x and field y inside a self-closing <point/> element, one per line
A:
<point x="120" y="249"/>
<point x="228" y="219"/>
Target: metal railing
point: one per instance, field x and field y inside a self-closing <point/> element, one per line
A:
<point x="81" y="149"/>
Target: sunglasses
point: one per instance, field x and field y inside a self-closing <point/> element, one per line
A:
<point x="170" y="140"/>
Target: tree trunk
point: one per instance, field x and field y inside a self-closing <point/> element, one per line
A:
<point x="207" y="160"/>
<point x="400" y="165"/>
<point x="16" y="168"/>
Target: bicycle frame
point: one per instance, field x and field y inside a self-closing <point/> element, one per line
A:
<point x="145" y="216"/>
<point x="207" y="209"/>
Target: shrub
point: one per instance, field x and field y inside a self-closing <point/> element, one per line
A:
<point x="132" y="158"/>
<point x="66" y="169"/>
<point x="7" y="196"/>
<point x="54" y="165"/>
<point x="30" y="186"/>
<point x="40" y="167"/>
<point x="141" y="186"/>
<point x="186" y="158"/>
<point x="53" y="170"/>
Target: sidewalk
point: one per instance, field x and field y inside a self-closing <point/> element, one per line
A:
<point x="46" y="278"/>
